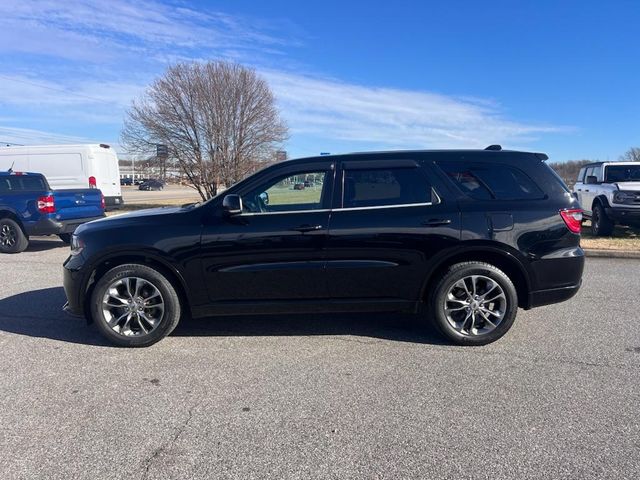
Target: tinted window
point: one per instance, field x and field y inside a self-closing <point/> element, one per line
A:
<point x="491" y="181"/>
<point x="381" y="187"/>
<point x="292" y="192"/>
<point x="22" y="183"/>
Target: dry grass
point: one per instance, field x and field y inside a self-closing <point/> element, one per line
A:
<point x="623" y="238"/>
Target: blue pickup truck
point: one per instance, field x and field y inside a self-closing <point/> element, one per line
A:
<point x="28" y="207"/>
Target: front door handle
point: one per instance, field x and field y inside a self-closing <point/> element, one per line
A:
<point x="434" y="222"/>
<point x="307" y="228"/>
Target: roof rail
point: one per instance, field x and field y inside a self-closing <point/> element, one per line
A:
<point x="494" y="147"/>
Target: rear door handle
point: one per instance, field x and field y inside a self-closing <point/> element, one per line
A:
<point x="586" y="190"/>
<point x="307" y="228"/>
<point x="434" y="222"/>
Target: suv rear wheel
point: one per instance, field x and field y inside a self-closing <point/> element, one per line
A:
<point x="601" y="224"/>
<point x="135" y="306"/>
<point x="475" y="303"/>
<point x="12" y="238"/>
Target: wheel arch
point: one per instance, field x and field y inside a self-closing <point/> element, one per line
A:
<point x="601" y="200"/>
<point x="148" y="259"/>
<point x="505" y="261"/>
<point x="6" y="213"/>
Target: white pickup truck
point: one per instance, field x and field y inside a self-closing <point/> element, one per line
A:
<point x="609" y="192"/>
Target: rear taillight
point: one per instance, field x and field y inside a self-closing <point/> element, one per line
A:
<point x="102" y="201"/>
<point x="92" y="182"/>
<point x="573" y="218"/>
<point x="46" y="204"/>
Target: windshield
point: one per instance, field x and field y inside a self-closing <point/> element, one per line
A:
<point x="622" y="173"/>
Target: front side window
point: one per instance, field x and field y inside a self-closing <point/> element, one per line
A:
<point x="492" y="181"/>
<point x="384" y="187"/>
<point x="289" y="193"/>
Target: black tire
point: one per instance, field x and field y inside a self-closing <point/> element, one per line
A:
<point x="12" y="238"/>
<point x="168" y="320"/>
<point x="457" y="272"/>
<point x="65" y="237"/>
<point x="601" y="224"/>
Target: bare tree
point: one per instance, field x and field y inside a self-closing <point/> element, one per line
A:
<point x="631" y="155"/>
<point x="218" y="119"/>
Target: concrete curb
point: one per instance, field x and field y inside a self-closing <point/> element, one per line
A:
<point x="590" y="252"/>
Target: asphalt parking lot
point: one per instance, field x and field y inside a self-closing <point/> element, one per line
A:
<point x="368" y="396"/>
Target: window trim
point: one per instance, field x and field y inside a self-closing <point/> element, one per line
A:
<point x="326" y="196"/>
<point x="543" y="196"/>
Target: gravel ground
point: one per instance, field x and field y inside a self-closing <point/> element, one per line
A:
<point x="361" y="396"/>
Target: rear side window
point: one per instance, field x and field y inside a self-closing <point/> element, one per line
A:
<point x="384" y="187"/>
<point x="492" y="181"/>
<point x="13" y="183"/>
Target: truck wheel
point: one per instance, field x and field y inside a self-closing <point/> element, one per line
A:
<point x="65" y="237"/>
<point x="475" y="303"/>
<point x="12" y="238"/>
<point x="601" y="224"/>
<point x="135" y="306"/>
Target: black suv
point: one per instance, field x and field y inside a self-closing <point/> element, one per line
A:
<point x="463" y="238"/>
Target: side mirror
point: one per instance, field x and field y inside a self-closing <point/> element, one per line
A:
<point x="592" y="180"/>
<point x="232" y="204"/>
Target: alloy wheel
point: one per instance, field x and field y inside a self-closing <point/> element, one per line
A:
<point x="475" y="305"/>
<point x="8" y="236"/>
<point x="133" y="306"/>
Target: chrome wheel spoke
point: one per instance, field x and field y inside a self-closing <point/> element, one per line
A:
<point x="133" y="306"/>
<point x="475" y="305"/>
<point x="116" y="320"/>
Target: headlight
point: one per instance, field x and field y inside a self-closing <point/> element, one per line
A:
<point x="76" y="245"/>
<point x="623" y="197"/>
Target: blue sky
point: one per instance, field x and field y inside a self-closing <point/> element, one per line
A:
<point x="556" y="76"/>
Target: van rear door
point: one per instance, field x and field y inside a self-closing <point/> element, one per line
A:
<point x="104" y="167"/>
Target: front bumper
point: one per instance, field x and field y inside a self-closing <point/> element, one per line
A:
<point x="623" y="214"/>
<point x="73" y="283"/>
<point x="50" y="226"/>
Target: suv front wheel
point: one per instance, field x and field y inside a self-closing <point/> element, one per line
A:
<point x="601" y="224"/>
<point x="135" y="306"/>
<point x="475" y="303"/>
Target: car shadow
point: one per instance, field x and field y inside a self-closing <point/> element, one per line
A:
<point x="38" y="313"/>
<point x="41" y="244"/>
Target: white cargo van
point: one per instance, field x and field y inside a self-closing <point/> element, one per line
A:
<point x="69" y="167"/>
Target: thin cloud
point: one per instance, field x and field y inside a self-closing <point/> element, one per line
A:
<point x="395" y="118"/>
<point x="28" y="136"/>
<point x="93" y="27"/>
<point x="106" y="52"/>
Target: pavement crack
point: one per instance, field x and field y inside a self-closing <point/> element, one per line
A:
<point x="168" y="445"/>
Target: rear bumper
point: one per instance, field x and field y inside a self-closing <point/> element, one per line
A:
<point x="554" y="295"/>
<point x="623" y="214"/>
<point x="112" y="203"/>
<point x="50" y="226"/>
<point x="558" y="277"/>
